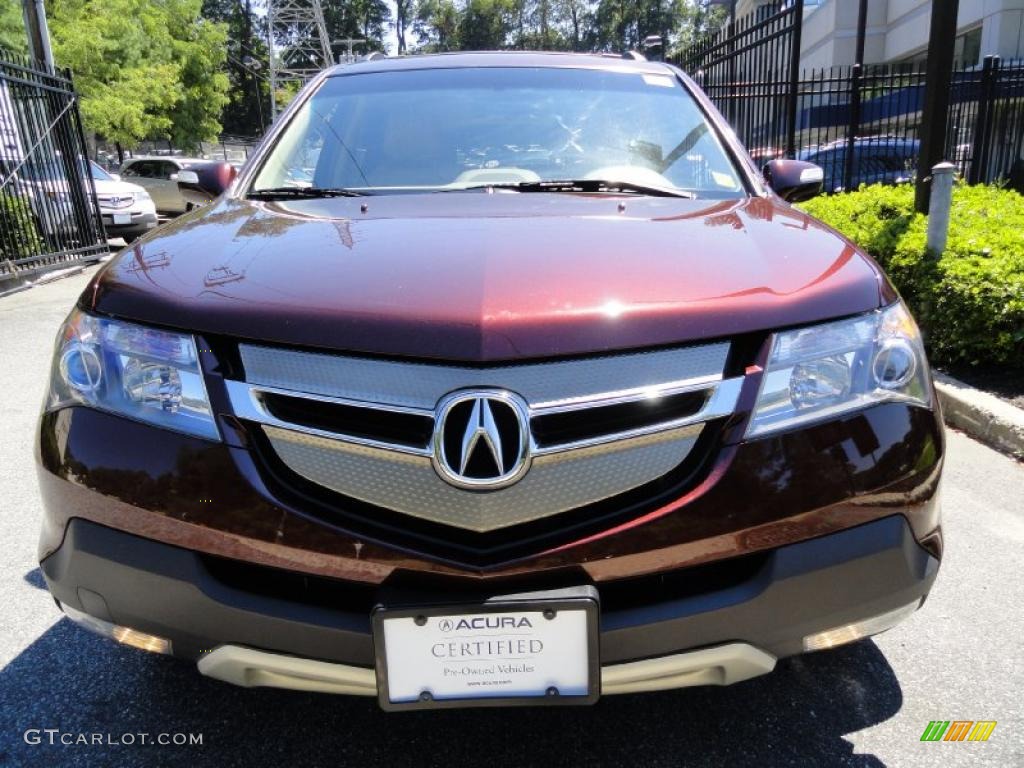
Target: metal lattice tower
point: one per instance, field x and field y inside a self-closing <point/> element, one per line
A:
<point x="299" y="45"/>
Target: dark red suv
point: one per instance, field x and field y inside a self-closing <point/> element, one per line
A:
<point x="492" y="379"/>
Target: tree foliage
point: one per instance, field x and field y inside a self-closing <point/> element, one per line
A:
<point x="969" y="300"/>
<point x="186" y="69"/>
<point x="247" y="112"/>
<point x="574" y="25"/>
<point x="12" y="27"/>
<point x="144" y="68"/>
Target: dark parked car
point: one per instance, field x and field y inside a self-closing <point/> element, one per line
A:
<point x="493" y="378"/>
<point x="876" y="160"/>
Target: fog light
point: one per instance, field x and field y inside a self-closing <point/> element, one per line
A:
<point x="830" y="638"/>
<point x="123" y="635"/>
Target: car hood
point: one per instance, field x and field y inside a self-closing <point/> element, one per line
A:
<point x="120" y="188"/>
<point x="472" y="276"/>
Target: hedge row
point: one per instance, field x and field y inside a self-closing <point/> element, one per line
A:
<point x="19" y="236"/>
<point x="969" y="301"/>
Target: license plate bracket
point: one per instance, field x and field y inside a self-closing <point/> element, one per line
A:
<point x="537" y="648"/>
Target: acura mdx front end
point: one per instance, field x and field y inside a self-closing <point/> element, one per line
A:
<point x="492" y="379"/>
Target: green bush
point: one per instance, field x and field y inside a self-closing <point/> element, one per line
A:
<point x="19" y="235"/>
<point x="970" y="301"/>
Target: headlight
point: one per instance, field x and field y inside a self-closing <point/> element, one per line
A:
<point x="141" y="194"/>
<point x="825" y="370"/>
<point x="143" y="373"/>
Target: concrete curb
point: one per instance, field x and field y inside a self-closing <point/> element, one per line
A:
<point x="982" y="416"/>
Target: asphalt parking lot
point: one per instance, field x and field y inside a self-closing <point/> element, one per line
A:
<point x="960" y="658"/>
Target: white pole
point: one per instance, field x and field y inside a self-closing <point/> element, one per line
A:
<point x="943" y="176"/>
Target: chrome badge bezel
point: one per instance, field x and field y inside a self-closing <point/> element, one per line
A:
<point x="451" y="471"/>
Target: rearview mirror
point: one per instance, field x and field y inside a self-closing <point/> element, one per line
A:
<point x="201" y="183"/>
<point x="794" y="180"/>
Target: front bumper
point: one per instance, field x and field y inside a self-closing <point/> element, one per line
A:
<point x="748" y="611"/>
<point x="142" y="222"/>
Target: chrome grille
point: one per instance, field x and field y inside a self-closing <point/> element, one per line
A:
<point x="342" y="453"/>
<point x="116" y="201"/>
<point x="422" y="385"/>
<point x="555" y="483"/>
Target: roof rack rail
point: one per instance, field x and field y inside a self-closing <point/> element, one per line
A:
<point x="631" y="55"/>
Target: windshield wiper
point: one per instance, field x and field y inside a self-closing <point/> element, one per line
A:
<point x="588" y="185"/>
<point x="312" y="193"/>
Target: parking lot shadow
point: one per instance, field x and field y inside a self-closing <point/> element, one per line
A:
<point x="82" y="684"/>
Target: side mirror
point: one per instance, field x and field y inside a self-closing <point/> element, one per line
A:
<point x="173" y="177"/>
<point x="201" y="183"/>
<point x="115" y="176"/>
<point x="794" y="180"/>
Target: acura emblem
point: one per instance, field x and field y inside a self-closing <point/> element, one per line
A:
<point x="482" y="438"/>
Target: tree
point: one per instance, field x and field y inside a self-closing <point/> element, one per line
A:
<point x="698" y="20"/>
<point x="12" y="27"/>
<point x="357" y="19"/>
<point x="437" y="25"/>
<point x="578" y="18"/>
<point x="143" y="68"/>
<point x="248" y="111"/>
<point x="403" y="11"/>
<point x="199" y="47"/>
<point x="486" y="24"/>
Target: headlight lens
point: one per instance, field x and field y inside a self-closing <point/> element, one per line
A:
<point x="144" y="373"/>
<point x="824" y="370"/>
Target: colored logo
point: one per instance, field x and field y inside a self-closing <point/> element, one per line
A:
<point x="958" y="730"/>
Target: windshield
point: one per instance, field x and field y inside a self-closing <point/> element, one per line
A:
<point x="55" y="170"/>
<point x="98" y="173"/>
<point x="444" y="129"/>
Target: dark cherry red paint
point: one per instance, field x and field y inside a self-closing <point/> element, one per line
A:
<point x="487" y="277"/>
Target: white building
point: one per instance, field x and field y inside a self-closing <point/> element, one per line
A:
<point x="897" y="30"/>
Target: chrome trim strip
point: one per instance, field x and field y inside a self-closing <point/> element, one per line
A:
<point x="625" y="396"/>
<point x="368" y="405"/>
<point x="247" y="405"/>
<point x="423" y="385"/>
<point x="722" y="402"/>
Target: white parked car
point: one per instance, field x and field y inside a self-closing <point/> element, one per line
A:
<point x="127" y="209"/>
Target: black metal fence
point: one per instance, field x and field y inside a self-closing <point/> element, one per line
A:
<point x="229" y="149"/>
<point x="860" y="124"/>
<point x="750" y="69"/>
<point x="49" y="215"/>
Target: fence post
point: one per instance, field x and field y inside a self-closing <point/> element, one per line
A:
<point x="983" y="124"/>
<point x="853" y="128"/>
<point x="943" y="176"/>
<point x="794" y="75"/>
<point x="935" y="111"/>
